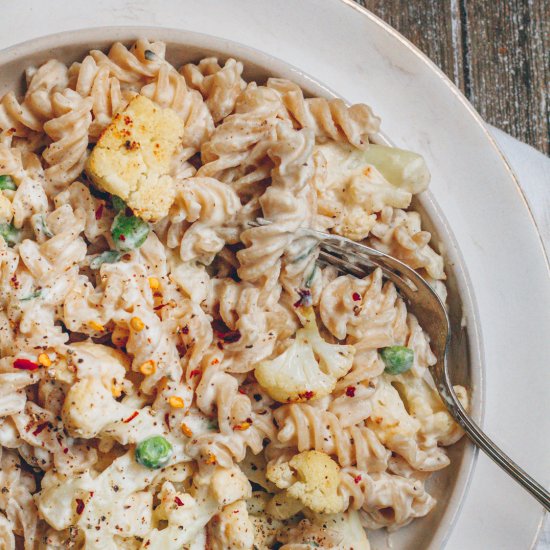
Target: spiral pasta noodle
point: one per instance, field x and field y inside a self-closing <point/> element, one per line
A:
<point x="177" y="368"/>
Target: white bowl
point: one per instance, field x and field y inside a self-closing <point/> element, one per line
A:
<point x="450" y="485"/>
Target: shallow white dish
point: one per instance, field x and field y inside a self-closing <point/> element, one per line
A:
<point x="448" y="486"/>
<point x="363" y="59"/>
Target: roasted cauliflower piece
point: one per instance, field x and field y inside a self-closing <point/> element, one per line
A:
<point x="133" y="155"/>
<point x="314" y="484"/>
<point x="308" y="369"/>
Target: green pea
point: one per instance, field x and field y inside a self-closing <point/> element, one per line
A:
<point x="129" y="232"/>
<point x="6" y="182"/>
<point x="398" y="359"/>
<point x="154" y="452"/>
<point x="107" y="257"/>
<point x="10" y="233"/>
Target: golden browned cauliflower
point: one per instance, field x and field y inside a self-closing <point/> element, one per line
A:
<point x="133" y="155"/>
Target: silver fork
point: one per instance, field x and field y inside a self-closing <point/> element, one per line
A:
<point x="357" y="259"/>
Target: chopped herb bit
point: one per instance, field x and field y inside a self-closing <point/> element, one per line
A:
<point x="305" y="254"/>
<point x="107" y="257"/>
<point x="10" y="234"/>
<point x="309" y="280"/>
<point x="7" y="183"/>
<point x="32" y="296"/>
<point x="118" y="204"/>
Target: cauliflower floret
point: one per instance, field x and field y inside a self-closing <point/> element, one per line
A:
<point x="133" y="155"/>
<point x="282" y="506"/>
<point x="332" y="532"/>
<point x="265" y="526"/>
<point x="88" y="407"/>
<point x="229" y="485"/>
<point x="308" y="369"/>
<point x="315" y="482"/>
<point x="186" y="517"/>
<point x="232" y="529"/>
<point x="359" y="184"/>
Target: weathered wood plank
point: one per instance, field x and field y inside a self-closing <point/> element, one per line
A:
<point x="509" y="48"/>
<point x="496" y="52"/>
<point x="428" y="25"/>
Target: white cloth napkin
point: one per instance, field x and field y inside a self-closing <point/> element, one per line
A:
<point x="533" y="172"/>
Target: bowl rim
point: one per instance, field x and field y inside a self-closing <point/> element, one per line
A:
<point x="454" y="260"/>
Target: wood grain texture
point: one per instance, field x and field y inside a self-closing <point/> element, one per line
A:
<point x="496" y="51"/>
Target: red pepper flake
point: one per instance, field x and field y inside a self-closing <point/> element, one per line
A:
<point x="235" y="511"/>
<point x="220" y="345"/>
<point x="357" y="479"/>
<point x="305" y="298"/>
<point x="350" y="391"/>
<point x="167" y="419"/>
<point x="157" y="308"/>
<point x="24" y="364"/>
<point x="356" y="297"/>
<point x="122" y="238"/>
<point x="178" y="501"/>
<point x="306" y="395"/>
<point x="99" y="211"/>
<point x="196" y="372"/>
<point x="242" y="391"/>
<point x="131" y="417"/>
<point x="65" y="450"/>
<point x="14" y="282"/>
<point x="40" y="428"/>
<point x="79" y="506"/>
<point x="185" y="330"/>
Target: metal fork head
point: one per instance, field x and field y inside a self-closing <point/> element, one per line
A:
<point x="357" y="259"/>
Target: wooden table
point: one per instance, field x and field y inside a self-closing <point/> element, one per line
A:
<point x="496" y="51"/>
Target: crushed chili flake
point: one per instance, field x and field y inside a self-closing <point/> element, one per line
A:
<point x="167" y="419"/>
<point x="65" y="450"/>
<point x="242" y="391"/>
<point x="305" y="298"/>
<point x="122" y="238"/>
<point x="99" y="211"/>
<point x="24" y="364"/>
<point x="131" y="417"/>
<point x="40" y="428"/>
<point x="350" y="391"/>
<point x="220" y="345"/>
<point x="196" y="372"/>
<point x="356" y="297"/>
<point x="79" y="506"/>
<point x="185" y="330"/>
<point x="306" y="395"/>
<point x="242" y="426"/>
<point x="357" y="479"/>
<point x="157" y="308"/>
<point x="178" y="501"/>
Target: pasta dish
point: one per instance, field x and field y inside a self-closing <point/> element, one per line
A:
<point x="174" y="376"/>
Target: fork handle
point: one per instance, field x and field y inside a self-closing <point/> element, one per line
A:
<point x="477" y="435"/>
